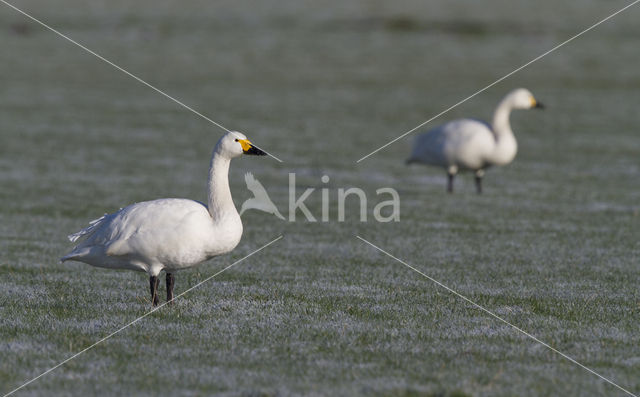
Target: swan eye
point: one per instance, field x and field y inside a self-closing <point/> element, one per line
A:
<point x="236" y="140"/>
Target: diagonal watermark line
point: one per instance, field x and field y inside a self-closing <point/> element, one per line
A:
<point x="499" y="80"/>
<point x="496" y="316"/>
<point x="127" y="72"/>
<point x="141" y="317"/>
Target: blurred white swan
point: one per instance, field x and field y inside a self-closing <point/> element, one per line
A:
<point x="169" y="234"/>
<point x="260" y="200"/>
<point x="469" y="144"/>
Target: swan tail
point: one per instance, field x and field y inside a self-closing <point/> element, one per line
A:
<point x="93" y="225"/>
<point x="76" y="255"/>
<point x="70" y="256"/>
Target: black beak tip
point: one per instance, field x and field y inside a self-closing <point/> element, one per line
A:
<point x="539" y="105"/>
<point x="254" y="151"/>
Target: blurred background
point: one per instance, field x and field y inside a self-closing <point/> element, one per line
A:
<point x="552" y="244"/>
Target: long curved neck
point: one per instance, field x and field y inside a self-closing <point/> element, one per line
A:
<point x="219" y="200"/>
<point x="501" y="123"/>
<point x="506" y="145"/>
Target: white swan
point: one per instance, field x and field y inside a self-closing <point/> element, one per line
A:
<point x="169" y="234"/>
<point x="260" y="200"/>
<point x="469" y="144"/>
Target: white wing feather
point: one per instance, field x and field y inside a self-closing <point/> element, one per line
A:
<point x="93" y="225"/>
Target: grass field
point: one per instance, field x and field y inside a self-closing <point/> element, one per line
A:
<point x="552" y="246"/>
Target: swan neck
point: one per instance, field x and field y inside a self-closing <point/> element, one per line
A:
<point x="506" y="146"/>
<point x="501" y="124"/>
<point x="219" y="200"/>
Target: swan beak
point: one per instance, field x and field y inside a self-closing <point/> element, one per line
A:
<point x="535" y="104"/>
<point x="248" y="148"/>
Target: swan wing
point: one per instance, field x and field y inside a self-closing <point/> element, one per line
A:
<point x="462" y="142"/>
<point x="89" y="230"/>
<point x="162" y="231"/>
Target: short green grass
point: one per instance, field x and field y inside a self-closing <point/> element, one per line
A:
<point x="552" y="246"/>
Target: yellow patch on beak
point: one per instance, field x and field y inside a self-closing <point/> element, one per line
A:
<point x="245" y="143"/>
<point x="533" y="102"/>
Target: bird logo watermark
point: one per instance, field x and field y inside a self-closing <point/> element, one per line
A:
<point x="260" y="200"/>
<point x="384" y="211"/>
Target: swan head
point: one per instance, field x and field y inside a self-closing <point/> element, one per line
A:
<point x="522" y="98"/>
<point x="234" y="144"/>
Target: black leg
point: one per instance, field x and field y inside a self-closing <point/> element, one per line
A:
<point x="479" y="184"/>
<point x="157" y="288"/>
<point x="170" y="283"/>
<point x="153" y="286"/>
<point x="479" y="175"/>
<point x="450" y="183"/>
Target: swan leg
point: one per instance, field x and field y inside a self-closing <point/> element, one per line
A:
<point x="452" y="170"/>
<point x="153" y="286"/>
<point x="479" y="175"/>
<point x="170" y="283"/>
<point x="450" y="182"/>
